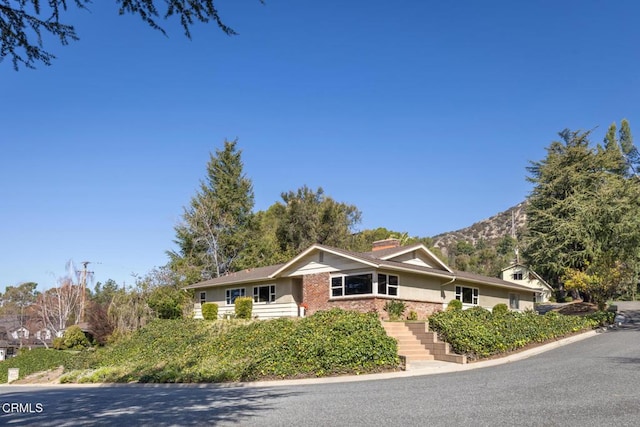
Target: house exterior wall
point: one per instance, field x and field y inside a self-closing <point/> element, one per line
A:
<point x="285" y="305"/>
<point x="418" y="287"/>
<point x="316" y="294"/>
<point x="315" y="291"/>
<point x="489" y="296"/>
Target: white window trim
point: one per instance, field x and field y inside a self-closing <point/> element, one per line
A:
<point x="475" y="295"/>
<point x="228" y="295"/>
<point x="272" y="295"/>
<point x="374" y="284"/>
<point x="203" y="297"/>
<point x="397" y="286"/>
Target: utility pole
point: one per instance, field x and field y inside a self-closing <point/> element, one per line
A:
<point x="513" y="235"/>
<point x="83" y="284"/>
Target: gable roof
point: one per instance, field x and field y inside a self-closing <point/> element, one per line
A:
<point x="530" y="270"/>
<point x="377" y="259"/>
<point x="387" y="254"/>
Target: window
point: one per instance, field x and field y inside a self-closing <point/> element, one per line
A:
<point x="517" y="275"/>
<point x="232" y="294"/>
<point x="514" y="301"/>
<point x="356" y="284"/>
<point x="203" y="297"/>
<point x="264" y="294"/>
<point x="387" y="284"/>
<point x="467" y="295"/>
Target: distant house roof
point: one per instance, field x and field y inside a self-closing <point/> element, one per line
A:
<point x="377" y="259"/>
<point x="530" y="270"/>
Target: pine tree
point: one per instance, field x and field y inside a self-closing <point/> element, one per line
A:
<point x="613" y="152"/>
<point x="216" y="224"/>
<point x="629" y="150"/>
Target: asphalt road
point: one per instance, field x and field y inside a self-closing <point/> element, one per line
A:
<point x="593" y="382"/>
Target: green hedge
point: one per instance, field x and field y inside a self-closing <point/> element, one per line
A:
<point x="210" y="311"/>
<point x="243" y="307"/>
<point x="478" y="333"/>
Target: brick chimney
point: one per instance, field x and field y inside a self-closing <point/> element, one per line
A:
<point x="379" y="245"/>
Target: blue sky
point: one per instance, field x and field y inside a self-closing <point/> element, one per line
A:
<point x="423" y="114"/>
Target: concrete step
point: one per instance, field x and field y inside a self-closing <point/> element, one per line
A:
<point x="410" y="355"/>
<point x="415" y="342"/>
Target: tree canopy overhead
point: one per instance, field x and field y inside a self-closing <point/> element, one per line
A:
<point x="25" y="23"/>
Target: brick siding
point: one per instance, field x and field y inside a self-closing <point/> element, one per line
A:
<point x="315" y="293"/>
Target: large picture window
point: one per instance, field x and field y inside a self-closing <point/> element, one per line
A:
<point x="356" y="284"/>
<point x="232" y="294"/>
<point x="467" y="295"/>
<point x="387" y="284"/>
<point x="264" y="294"/>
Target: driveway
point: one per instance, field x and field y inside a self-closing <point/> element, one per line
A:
<point x="630" y="313"/>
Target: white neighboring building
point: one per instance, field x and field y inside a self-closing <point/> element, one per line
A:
<point x="523" y="275"/>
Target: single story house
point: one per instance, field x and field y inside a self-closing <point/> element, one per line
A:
<point x="523" y="275"/>
<point x="324" y="277"/>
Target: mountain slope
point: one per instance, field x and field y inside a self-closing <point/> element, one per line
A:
<point x="490" y="229"/>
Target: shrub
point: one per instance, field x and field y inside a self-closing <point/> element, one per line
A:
<point x="187" y="350"/>
<point x="58" y="343"/>
<point x="167" y="302"/>
<point x="244" y="307"/>
<point x="395" y="309"/>
<point x="602" y="318"/>
<point x="73" y="339"/>
<point x="478" y="333"/>
<point x="210" y="311"/>
<point x="454" y="304"/>
<point x="568" y="299"/>
<point x="412" y="315"/>
<point x="500" y="309"/>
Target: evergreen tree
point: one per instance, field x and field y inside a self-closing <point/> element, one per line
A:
<point x="554" y="240"/>
<point x="24" y="24"/>
<point x="583" y="218"/>
<point x="613" y="152"/>
<point x="629" y="150"/>
<point x="217" y="223"/>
